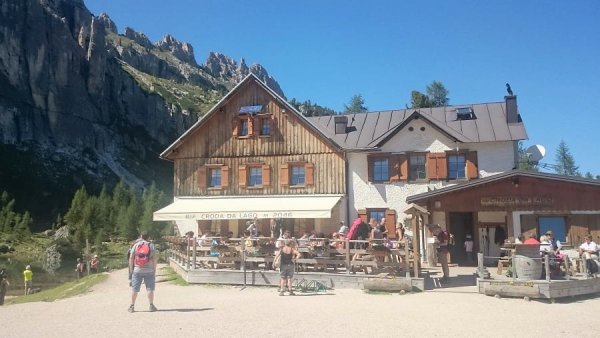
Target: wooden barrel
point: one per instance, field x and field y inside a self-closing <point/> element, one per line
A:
<point x="527" y="268"/>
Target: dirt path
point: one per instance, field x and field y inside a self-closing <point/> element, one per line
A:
<point x="260" y="312"/>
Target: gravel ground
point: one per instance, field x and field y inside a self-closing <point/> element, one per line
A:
<point x="226" y="311"/>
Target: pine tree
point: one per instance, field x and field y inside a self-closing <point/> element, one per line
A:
<point x="419" y="100"/>
<point x="589" y="175"/>
<point x="75" y="214"/>
<point x="565" y="163"/>
<point x="437" y="94"/>
<point x="356" y="105"/>
<point x="23" y="227"/>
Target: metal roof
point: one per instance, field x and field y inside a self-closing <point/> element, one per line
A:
<point x="371" y="130"/>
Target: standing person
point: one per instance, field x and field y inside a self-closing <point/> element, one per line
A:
<point x="343" y="229"/>
<point x="28" y="277"/>
<point x="142" y="266"/>
<point x="442" y="249"/>
<point x="399" y="231"/>
<point x="79" y="268"/>
<point x="251" y="226"/>
<point x="469" y="248"/>
<point x="382" y="226"/>
<point x="289" y="254"/>
<point x="273" y="228"/>
<point x="4" y="284"/>
<point x="94" y="264"/>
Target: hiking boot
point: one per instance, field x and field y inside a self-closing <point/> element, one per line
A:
<point x="153" y="308"/>
<point x="292" y="293"/>
<point x="131" y="308"/>
<point x="281" y="292"/>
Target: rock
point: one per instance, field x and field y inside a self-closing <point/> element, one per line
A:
<point x="49" y="233"/>
<point x="181" y="50"/>
<point x="107" y="23"/>
<point x="139" y="38"/>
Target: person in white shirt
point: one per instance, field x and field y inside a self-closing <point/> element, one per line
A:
<point x="545" y="246"/>
<point x="553" y="241"/>
<point x="588" y="249"/>
<point x="469" y="248"/>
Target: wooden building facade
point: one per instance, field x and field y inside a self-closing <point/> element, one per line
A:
<point x="254" y="144"/>
<point x="512" y="203"/>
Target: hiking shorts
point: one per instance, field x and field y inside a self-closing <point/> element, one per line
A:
<point x="286" y="271"/>
<point x="138" y="277"/>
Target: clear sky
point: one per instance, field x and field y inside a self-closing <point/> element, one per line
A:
<point x="327" y="51"/>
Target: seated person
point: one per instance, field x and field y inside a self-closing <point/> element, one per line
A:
<point x="213" y="244"/>
<point x="303" y="241"/>
<point x="532" y="239"/>
<point x="545" y="246"/>
<point x="588" y="249"/>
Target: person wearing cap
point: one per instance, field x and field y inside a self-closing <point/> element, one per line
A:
<point x="28" y="277"/>
<point x="94" y="264"/>
<point x="343" y="229"/>
<point x="469" y="248"/>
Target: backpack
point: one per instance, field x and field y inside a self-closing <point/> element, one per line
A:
<point x="142" y="254"/>
<point x="80" y="267"/>
<point x="592" y="267"/>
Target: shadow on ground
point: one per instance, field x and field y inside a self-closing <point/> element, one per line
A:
<point x="434" y="281"/>
<point x="185" y="310"/>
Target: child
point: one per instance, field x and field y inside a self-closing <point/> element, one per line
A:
<point x="469" y="249"/>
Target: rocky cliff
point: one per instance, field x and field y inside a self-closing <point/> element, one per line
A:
<point x="82" y="104"/>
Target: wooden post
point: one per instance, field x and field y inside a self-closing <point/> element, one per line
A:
<point x="480" y="270"/>
<point x="348" y="266"/>
<point x="187" y="253"/>
<point x="547" y="267"/>
<point x="514" y="265"/>
<point x="194" y="253"/>
<point x="416" y="241"/>
<point x="568" y="271"/>
<point x="87" y="256"/>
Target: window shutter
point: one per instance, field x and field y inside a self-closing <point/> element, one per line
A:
<point x="437" y="167"/>
<point x="257" y="125"/>
<point x="403" y="163"/>
<point x="394" y="168"/>
<point x="251" y="126"/>
<point x="370" y="168"/>
<point x="224" y="176"/>
<point x="201" y="177"/>
<point x="309" y="174"/>
<point x="284" y="175"/>
<point x="472" y="170"/>
<point x="235" y="126"/>
<point x="242" y="176"/>
<point x="363" y="215"/>
<point x="266" y="175"/>
<point x="390" y="223"/>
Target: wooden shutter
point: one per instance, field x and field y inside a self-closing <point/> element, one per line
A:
<point x="363" y="215"/>
<point x="251" y="126"/>
<point x="370" y="168"/>
<point x="266" y="175"/>
<point x="235" y="126"/>
<point x="403" y="163"/>
<point x="242" y="176"/>
<point x="224" y="176"/>
<point x="201" y="177"/>
<point x="284" y="175"/>
<point x="472" y="170"/>
<point x="394" y="165"/>
<point x="437" y="167"/>
<point x="257" y="125"/>
<point x="309" y="174"/>
<point x="390" y="223"/>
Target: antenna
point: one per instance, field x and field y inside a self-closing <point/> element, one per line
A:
<point x="535" y="153"/>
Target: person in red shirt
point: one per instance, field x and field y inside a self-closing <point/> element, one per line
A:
<point x="532" y="239"/>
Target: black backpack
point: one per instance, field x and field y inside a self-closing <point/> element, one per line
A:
<point x="592" y="266"/>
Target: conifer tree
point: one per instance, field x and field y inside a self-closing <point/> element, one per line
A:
<point x="565" y="164"/>
<point x="23" y="227"/>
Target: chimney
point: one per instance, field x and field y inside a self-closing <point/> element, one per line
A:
<point x="340" y="124"/>
<point x="512" y="114"/>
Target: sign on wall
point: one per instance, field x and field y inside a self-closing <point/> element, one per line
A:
<point x="516" y="201"/>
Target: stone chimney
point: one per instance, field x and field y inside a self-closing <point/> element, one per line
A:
<point x="512" y="113"/>
<point x="340" y="124"/>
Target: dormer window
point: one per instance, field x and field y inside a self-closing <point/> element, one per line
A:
<point x="253" y="110"/>
<point x="465" y="113"/>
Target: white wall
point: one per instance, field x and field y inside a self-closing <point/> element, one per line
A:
<point x="493" y="158"/>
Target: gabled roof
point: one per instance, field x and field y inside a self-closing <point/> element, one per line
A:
<point x="215" y="108"/>
<point x="498" y="177"/>
<point x="371" y="130"/>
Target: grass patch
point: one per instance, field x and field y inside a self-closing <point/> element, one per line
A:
<point x="173" y="277"/>
<point x="66" y="290"/>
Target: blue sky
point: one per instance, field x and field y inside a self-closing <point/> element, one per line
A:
<point x="327" y="51"/>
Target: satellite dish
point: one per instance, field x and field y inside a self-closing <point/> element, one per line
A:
<point x="536" y="152"/>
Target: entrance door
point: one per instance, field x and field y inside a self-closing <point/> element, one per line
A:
<point x="556" y="224"/>
<point x="461" y="224"/>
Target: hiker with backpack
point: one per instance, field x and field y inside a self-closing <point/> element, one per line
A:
<point x="80" y="268"/>
<point x="143" y="259"/>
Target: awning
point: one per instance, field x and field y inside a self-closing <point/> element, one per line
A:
<point x="248" y="207"/>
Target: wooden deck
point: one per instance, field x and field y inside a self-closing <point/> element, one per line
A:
<point x="271" y="278"/>
<point x="539" y="289"/>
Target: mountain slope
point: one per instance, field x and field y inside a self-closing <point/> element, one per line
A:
<point x="82" y="104"/>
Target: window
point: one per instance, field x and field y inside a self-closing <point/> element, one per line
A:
<point x="243" y="128"/>
<point x="417" y="167"/>
<point x="456" y="166"/>
<point x="214" y="177"/>
<point x="265" y="126"/>
<point x="255" y="177"/>
<point x="381" y="170"/>
<point x="376" y="214"/>
<point x="298" y="175"/>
